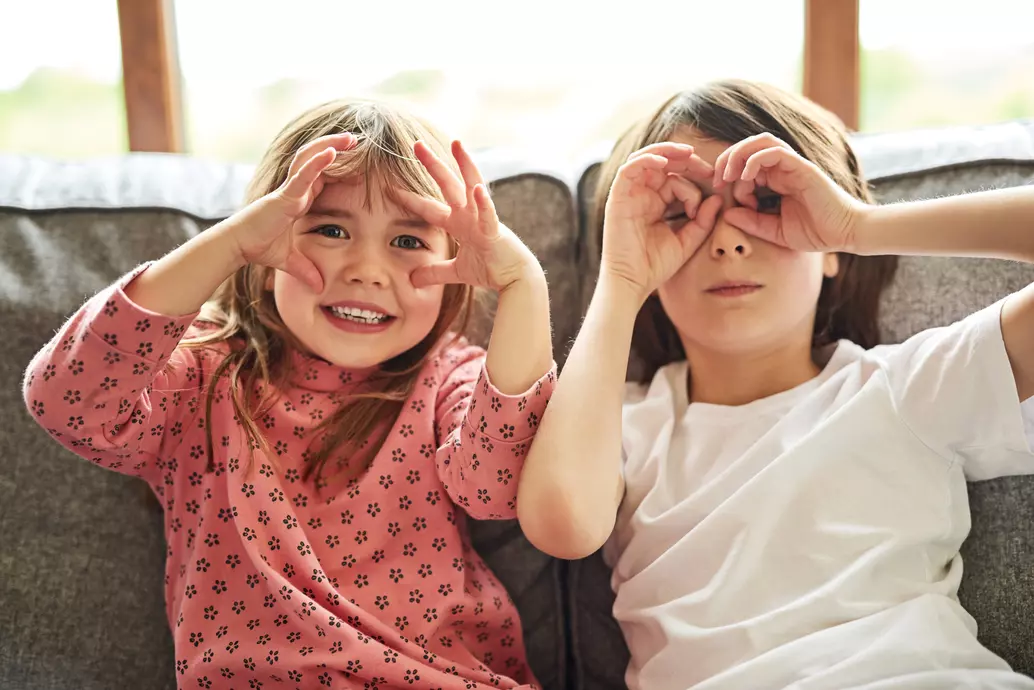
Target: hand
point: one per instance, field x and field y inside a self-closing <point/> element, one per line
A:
<point x="263" y="229"/>
<point x="490" y="255"/>
<point x="810" y="213"/>
<point x="639" y="245"/>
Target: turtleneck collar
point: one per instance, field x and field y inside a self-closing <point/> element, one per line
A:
<point x="312" y="373"/>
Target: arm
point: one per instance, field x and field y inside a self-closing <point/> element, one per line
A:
<point x="572" y="485"/>
<point x="101" y="387"/>
<point x="520" y="350"/>
<point x="816" y="215"/>
<point x="998" y="224"/>
<point x="485" y="434"/>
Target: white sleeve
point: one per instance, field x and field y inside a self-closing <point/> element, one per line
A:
<point x="954" y="388"/>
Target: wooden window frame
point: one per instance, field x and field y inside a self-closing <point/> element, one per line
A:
<point x="150" y="75"/>
<point x="832" y="57"/>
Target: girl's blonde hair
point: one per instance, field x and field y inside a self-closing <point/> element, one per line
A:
<point x="244" y="313"/>
<point x="731" y="111"/>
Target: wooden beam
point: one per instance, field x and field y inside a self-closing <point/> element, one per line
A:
<point x="832" y="57"/>
<point x="150" y="75"/>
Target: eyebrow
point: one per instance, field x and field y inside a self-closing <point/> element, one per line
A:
<point x="412" y="222"/>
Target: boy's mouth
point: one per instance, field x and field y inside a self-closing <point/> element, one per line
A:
<point x="734" y="288"/>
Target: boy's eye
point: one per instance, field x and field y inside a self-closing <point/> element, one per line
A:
<point x="334" y="232"/>
<point x="408" y="242"/>
<point x="768" y="201"/>
<point x="676" y="219"/>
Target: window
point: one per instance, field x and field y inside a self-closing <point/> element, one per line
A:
<point x="60" y="85"/>
<point x="548" y="77"/>
<point x="932" y="63"/>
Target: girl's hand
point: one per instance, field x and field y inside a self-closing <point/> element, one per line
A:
<point x="490" y="255"/>
<point x="263" y="229"/>
<point x="642" y="245"/>
<point x="800" y="207"/>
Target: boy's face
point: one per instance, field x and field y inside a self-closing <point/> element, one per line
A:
<point x="737" y="293"/>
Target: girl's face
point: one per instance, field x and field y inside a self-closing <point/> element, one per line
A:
<point x="369" y="311"/>
<point x="739" y="294"/>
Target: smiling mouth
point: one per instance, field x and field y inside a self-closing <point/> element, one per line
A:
<point x="368" y="317"/>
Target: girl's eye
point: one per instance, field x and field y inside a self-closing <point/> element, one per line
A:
<point x="408" y="242"/>
<point x="334" y="232"/>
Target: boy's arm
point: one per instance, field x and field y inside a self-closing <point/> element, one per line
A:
<point x="571" y="485"/>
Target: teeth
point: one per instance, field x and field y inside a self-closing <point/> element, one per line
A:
<point x="359" y="315"/>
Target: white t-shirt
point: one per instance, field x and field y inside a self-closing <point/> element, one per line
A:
<point x="810" y="540"/>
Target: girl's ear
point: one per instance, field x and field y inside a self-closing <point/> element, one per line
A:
<point x="830" y="265"/>
<point x="270" y="275"/>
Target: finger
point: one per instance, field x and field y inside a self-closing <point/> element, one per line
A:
<point x="433" y="211"/>
<point x="470" y="173"/>
<point x="488" y="220"/>
<point x="743" y="193"/>
<point x="300" y="183"/>
<point x="680" y="160"/>
<point x="768" y="158"/>
<point x="340" y="142"/>
<point x="441" y="273"/>
<point x="762" y="225"/>
<point x="635" y="172"/>
<point x="718" y="181"/>
<point x="692" y="234"/>
<point x="304" y="270"/>
<point x="740" y="152"/>
<point x="452" y="188"/>
<point x="681" y="189"/>
<point x="665" y="148"/>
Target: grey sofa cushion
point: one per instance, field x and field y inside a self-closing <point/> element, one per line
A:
<point x="998" y="556"/>
<point x="81" y="568"/>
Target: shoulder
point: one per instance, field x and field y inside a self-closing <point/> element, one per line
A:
<point x="202" y="347"/>
<point x="456" y="357"/>
<point x="668" y="384"/>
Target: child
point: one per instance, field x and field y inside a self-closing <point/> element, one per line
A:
<point x="784" y="506"/>
<point x="316" y="433"/>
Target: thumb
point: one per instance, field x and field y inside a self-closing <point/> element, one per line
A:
<point x="304" y="270"/>
<point x="761" y="225"/>
<point x="692" y="234"/>
<point x="440" y="273"/>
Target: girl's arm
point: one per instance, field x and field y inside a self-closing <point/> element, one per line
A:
<point x="487" y="410"/>
<point x="484" y="434"/>
<point x="183" y="280"/>
<point x="102" y="389"/>
<point x="102" y="386"/>
<point x="520" y="350"/>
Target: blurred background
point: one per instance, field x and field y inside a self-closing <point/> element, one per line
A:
<point x="554" y="75"/>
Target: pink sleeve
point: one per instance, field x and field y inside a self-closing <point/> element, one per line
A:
<point x="486" y="435"/>
<point x="112" y="387"/>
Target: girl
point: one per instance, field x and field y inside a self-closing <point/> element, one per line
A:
<point x="317" y="431"/>
<point x="784" y="505"/>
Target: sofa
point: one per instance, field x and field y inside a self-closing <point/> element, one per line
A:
<point x="81" y="548"/>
